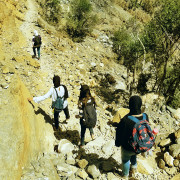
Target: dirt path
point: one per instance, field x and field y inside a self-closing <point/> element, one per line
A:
<point x="27" y="28"/>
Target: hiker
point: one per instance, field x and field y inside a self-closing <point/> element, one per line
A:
<point x="125" y="131"/>
<point x="87" y="112"/>
<point x="36" y="44"/>
<point x="60" y="91"/>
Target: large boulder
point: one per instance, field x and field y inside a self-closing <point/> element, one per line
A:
<point x="93" y="171"/>
<point x="65" y="146"/>
<point x="120" y="114"/>
<point x="174" y="150"/>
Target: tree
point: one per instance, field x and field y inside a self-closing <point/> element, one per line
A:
<point x="80" y="21"/>
<point x="161" y="40"/>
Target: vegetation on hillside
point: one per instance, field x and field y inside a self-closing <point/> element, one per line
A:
<point x="80" y="20"/>
<point x="51" y="10"/>
<point x="136" y="43"/>
<point x="160" y="40"/>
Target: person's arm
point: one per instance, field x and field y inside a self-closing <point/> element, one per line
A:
<point x="119" y="136"/>
<point x="41" y="98"/>
<point x="80" y="115"/>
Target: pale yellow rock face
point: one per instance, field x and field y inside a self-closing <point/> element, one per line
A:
<point x="22" y="134"/>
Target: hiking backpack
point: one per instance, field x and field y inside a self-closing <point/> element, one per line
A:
<point x="58" y="104"/>
<point x="90" y="116"/>
<point x="37" y="41"/>
<point x="142" y="138"/>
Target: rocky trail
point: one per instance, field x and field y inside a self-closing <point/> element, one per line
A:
<point x="57" y="154"/>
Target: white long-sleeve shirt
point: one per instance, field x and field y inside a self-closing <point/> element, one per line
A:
<point x="52" y="93"/>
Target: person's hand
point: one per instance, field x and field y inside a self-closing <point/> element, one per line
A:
<point x="30" y="99"/>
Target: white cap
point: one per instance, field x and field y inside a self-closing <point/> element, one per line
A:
<point x="35" y="33"/>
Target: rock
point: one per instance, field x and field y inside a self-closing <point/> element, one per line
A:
<point x="110" y="79"/>
<point x="165" y="142"/>
<point x="146" y="166"/>
<point x="161" y="164"/>
<point x="70" y="159"/>
<point x="111" y="176"/>
<point x="178" y="157"/>
<point x="5" y="70"/>
<point x="65" y="146"/>
<point x="171" y="171"/>
<point x="120" y="85"/>
<point x="177" y="141"/>
<point x="177" y="114"/>
<point x="168" y="159"/>
<point x="82" y="173"/>
<point x="97" y="142"/>
<point x="176" y="177"/>
<point x="176" y="162"/>
<point x="177" y="134"/>
<point x="8" y="69"/>
<point x="93" y="64"/>
<point x="33" y="63"/>
<point x="120" y="114"/>
<point x="93" y="171"/>
<point x="82" y="163"/>
<point x="174" y="150"/>
<point x="66" y="169"/>
<point x="108" y="148"/>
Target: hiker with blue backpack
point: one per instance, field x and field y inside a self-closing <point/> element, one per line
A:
<point x="134" y="135"/>
<point x="59" y="94"/>
<point x="87" y="112"/>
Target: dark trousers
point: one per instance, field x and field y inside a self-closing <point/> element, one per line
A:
<point x="56" y="116"/>
<point x="38" y="50"/>
<point x="83" y="131"/>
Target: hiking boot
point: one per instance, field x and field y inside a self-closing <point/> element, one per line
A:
<point x="92" y="136"/>
<point x="33" y="56"/>
<point x="132" y="171"/>
<point x="81" y="146"/>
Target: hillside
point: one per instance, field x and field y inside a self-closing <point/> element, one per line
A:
<point x="29" y="146"/>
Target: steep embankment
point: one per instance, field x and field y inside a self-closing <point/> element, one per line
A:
<point x="22" y="132"/>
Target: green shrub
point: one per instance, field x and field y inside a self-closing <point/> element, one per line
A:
<point x="51" y="10"/>
<point x="80" y="21"/>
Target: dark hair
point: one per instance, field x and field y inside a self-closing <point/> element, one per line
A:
<point x="85" y="94"/>
<point x="135" y="103"/>
<point x="56" y="81"/>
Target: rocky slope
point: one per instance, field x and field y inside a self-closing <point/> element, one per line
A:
<point x="30" y="149"/>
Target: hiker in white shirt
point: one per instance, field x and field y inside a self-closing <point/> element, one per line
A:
<point x="62" y="92"/>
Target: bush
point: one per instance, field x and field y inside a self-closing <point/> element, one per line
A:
<point x="51" y="10"/>
<point x="80" y="21"/>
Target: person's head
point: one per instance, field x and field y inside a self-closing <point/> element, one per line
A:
<point x="135" y="103"/>
<point x="35" y="33"/>
<point x="84" y="91"/>
<point x="56" y="81"/>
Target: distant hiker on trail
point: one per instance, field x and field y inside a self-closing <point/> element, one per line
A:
<point x="134" y="135"/>
<point x="59" y="94"/>
<point x="87" y="112"/>
<point x="36" y="44"/>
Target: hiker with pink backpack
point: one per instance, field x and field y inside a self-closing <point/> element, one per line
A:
<point x="134" y="135"/>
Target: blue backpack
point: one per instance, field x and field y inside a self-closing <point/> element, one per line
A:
<point x="142" y="138"/>
<point x="58" y="104"/>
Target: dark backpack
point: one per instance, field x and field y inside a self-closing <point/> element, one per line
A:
<point x="58" y="104"/>
<point x="142" y="138"/>
<point x="90" y="116"/>
<point x="37" y="41"/>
